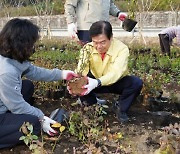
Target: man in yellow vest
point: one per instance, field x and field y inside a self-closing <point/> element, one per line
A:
<point x="106" y="65"/>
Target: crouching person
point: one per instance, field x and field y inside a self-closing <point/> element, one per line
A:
<point x="17" y="40"/>
<point x="106" y="65"/>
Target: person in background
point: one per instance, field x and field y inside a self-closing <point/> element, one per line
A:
<point x="106" y="61"/>
<point x="166" y="37"/>
<point x="80" y="15"/>
<point x="17" y="40"/>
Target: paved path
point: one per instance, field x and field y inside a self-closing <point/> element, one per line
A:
<point x="153" y="32"/>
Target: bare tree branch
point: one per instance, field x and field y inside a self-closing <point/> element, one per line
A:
<point x="44" y="10"/>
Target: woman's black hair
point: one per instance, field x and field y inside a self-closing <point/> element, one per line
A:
<point x="17" y="39"/>
<point x="101" y="27"/>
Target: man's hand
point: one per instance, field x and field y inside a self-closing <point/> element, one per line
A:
<point x="68" y="75"/>
<point x="72" y="30"/>
<point x="46" y="122"/>
<point x="92" y="84"/>
<point x="122" y="16"/>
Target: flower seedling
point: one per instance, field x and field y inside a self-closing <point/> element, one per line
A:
<point x="31" y="140"/>
<point x="59" y="129"/>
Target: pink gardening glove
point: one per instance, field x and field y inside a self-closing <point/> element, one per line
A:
<point x="68" y="75"/>
<point x="122" y="16"/>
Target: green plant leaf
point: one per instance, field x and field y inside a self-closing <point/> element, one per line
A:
<point x="26" y="141"/>
<point x="104" y="112"/>
<point x="100" y="118"/>
<point x="62" y="128"/>
<point x="119" y="135"/>
<point x="33" y="146"/>
<point x="30" y="128"/>
<point x="22" y="138"/>
<point x="34" y="137"/>
<point x="105" y="106"/>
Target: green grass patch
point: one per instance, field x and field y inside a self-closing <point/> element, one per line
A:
<point x="154" y="69"/>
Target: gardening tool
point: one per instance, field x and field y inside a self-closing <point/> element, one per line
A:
<point x="129" y="24"/>
<point x="59" y="115"/>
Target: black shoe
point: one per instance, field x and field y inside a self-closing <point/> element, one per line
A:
<point x="121" y="116"/>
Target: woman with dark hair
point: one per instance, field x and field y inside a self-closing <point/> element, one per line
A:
<point x="17" y="40"/>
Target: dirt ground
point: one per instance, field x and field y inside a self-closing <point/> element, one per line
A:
<point x="141" y="134"/>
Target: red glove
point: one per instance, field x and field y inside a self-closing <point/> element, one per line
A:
<point x="68" y="75"/>
<point x="122" y="16"/>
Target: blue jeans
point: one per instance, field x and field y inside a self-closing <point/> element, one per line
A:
<point x="128" y="88"/>
<point x="10" y="123"/>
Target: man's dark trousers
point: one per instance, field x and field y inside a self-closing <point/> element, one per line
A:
<point x="128" y="88"/>
<point x="164" y="43"/>
<point x="84" y="36"/>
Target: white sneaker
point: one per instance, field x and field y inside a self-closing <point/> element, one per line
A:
<point x="99" y="101"/>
